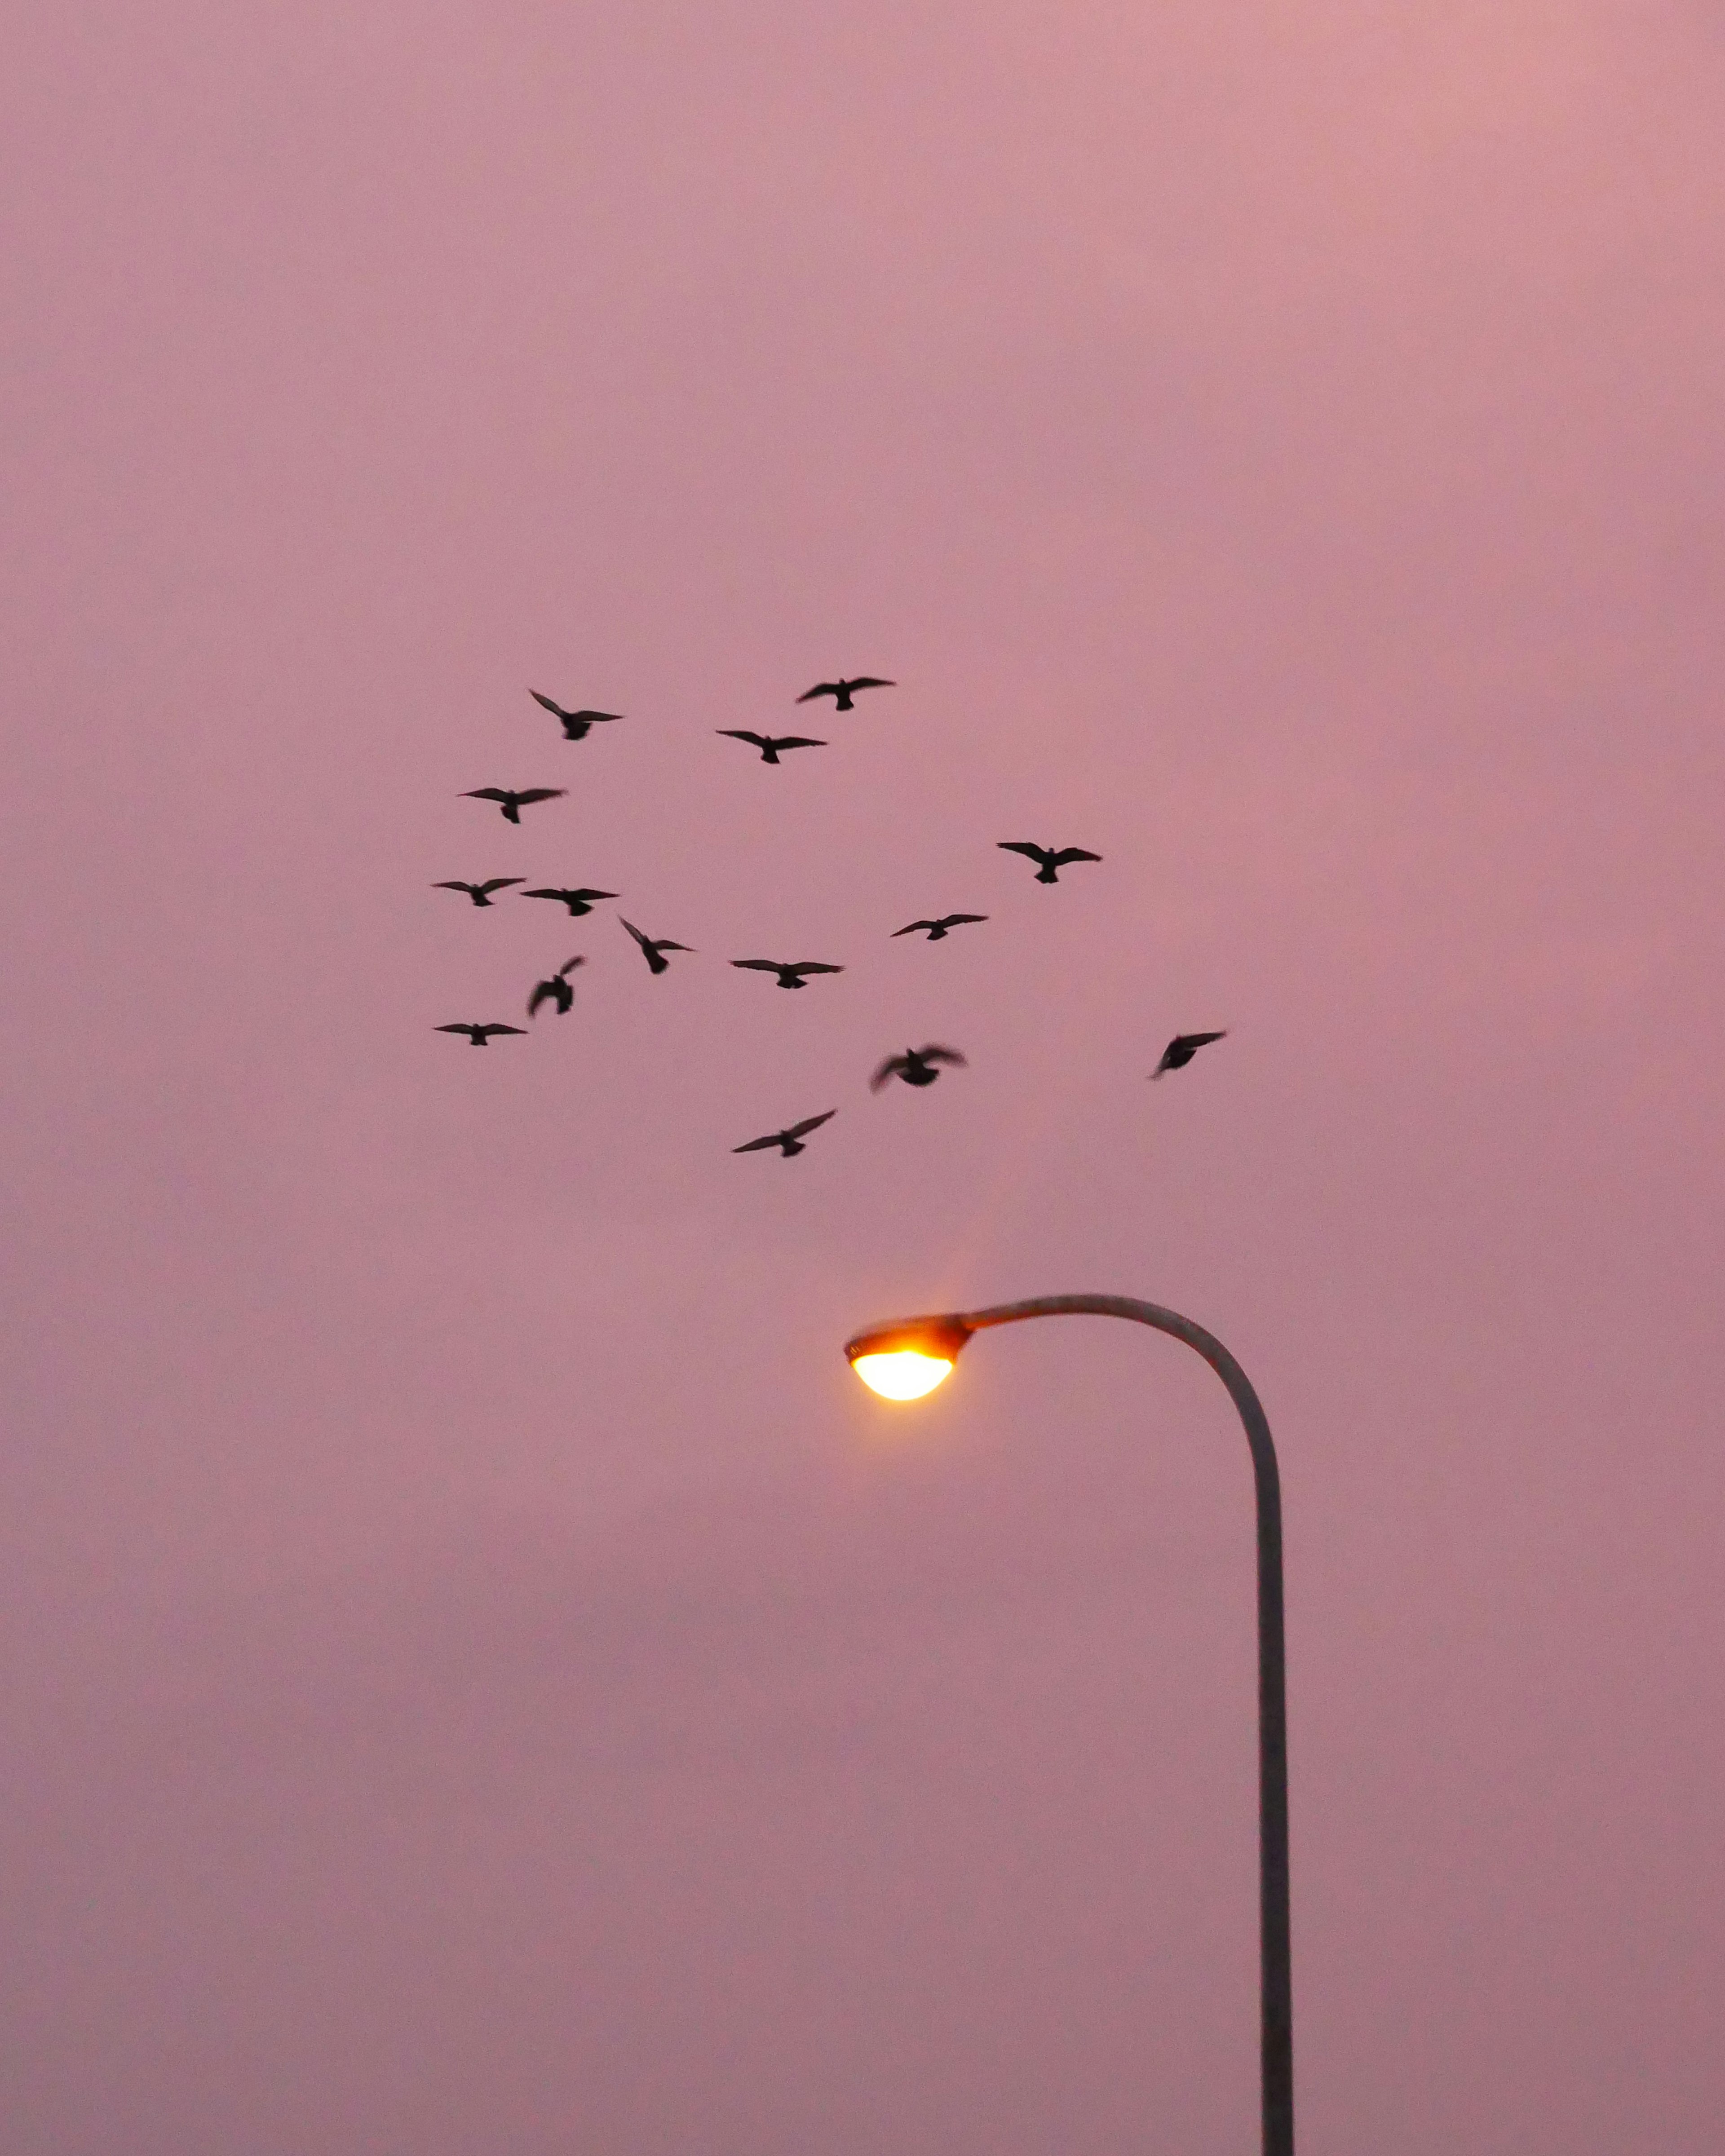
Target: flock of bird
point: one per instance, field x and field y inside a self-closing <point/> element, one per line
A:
<point x="916" y="1066"/>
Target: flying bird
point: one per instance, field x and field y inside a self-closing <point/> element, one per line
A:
<point x="1181" y="1049"/>
<point x="841" y="691"/>
<point x="1052" y="862"/>
<point x="938" y="930"/>
<point x="769" y="744"/>
<point x="916" y="1066"/>
<point x="480" y="893"/>
<point x="513" y="803"/>
<point x="479" y="1036"/>
<point x="790" y="1141"/>
<point x="653" y="946"/>
<point x="555" y="990"/>
<point x="578" y="901"/>
<point x="577" y="725"/>
<point x="789" y="976"/>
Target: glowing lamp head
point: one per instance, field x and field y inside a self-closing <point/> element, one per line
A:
<point x="903" y="1362"/>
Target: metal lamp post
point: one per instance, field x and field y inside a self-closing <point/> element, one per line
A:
<point x="909" y="1357"/>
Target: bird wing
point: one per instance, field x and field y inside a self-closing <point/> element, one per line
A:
<point x="1072" y="854"/>
<point x="870" y="681"/>
<point x="935" y="1054"/>
<point x="889" y="1068"/>
<point x="1027" y="847"/>
<point x="741" y="733"/>
<point x="568" y="968"/>
<point x="755" y="1145"/>
<point x="957" y="920"/>
<point x="814" y="965"/>
<point x="546" y="893"/>
<point x="556" y="708"/>
<point x="794" y="741"/>
<point x="1196" y="1040"/>
<point x="487" y="794"/>
<point x="911" y="927"/>
<point x="544" y="992"/>
<point x="596" y="718"/>
<point x="541" y="793"/>
<point x="820" y="689"/>
<point x="589" y="894"/>
<point x="453" y="1028"/>
<point x="499" y="883"/>
<point x="467" y="887"/>
<point x="497" y="1029"/>
<point x="758" y="965"/>
<point x="812" y="1123"/>
<point x="665" y="943"/>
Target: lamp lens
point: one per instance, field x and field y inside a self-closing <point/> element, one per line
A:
<point x="905" y="1376"/>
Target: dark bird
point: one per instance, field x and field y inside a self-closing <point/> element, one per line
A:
<point x="937" y="929"/>
<point x="480" y="893"/>
<point x="577" y="725"/>
<point x="1181" y="1049"/>
<point x="841" y="691"/>
<point x="769" y="744"/>
<point x="479" y="1036"/>
<point x="555" y="990"/>
<point x="578" y="901"/>
<point x="513" y="803"/>
<point x="916" y="1066"/>
<point x="789" y="976"/>
<point x="652" y="946"/>
<point x="1052" y="862"/>
<point x="790" y="1141"/>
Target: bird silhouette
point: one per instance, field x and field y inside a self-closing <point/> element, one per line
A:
<point x="578" y="901"/>
<point x="841" y="691"/>
<point x="1052" y="862"/>
<point x="577" y="725"/>
<point x="479" y="1036"/>
<point x="790" y="1141"/>
<point x="769" y="744"/>
<point x="938" y="930"/>
<point x="652" y="946"/>
<point x="789" y="976"/>
<point x="916" y="1066"/>
<point x="513" y="803"/>
<point x="480" y="893"/>
<point x="556" y="989"/>
<point x="1181" y="1049"/>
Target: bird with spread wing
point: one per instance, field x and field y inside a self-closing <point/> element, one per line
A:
<point x="479" y="1036"/>
<point x="789" y="1141"/>
<point x="480" y="893"/>
<point x="512" y="803"/>
<point x="1181" y="1049"/>
<point x="1052" y="861"/>
<point x="577" y="725"/>
<point x="769" y="744"/>
<point x="653" y="947"/>
<point x="789" y="976"/>
<point x="843" y="692"/>
<point x="555" y="989"/>
<point x="917" y="1066"/>
<point x="939" y="929"/>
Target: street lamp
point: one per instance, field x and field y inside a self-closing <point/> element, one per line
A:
<point x="909" y="1357"/>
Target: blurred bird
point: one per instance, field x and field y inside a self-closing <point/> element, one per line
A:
<point x="841" y="691"/>
<point x="769" y="744"/>
<point x="651" y="946"/>
<point x="937" y="929"/>
<point x="556" y="989"/>
<point x="479" y="1036"/>
<point x="916" y="1066"/>
<point x="1181" y="1049"/>
<point x="513" y="803"/>
<point x="1052" y="862"/>
<point x="578" y="901"/>
<point x="480" y="893"/>
<point x="790" y="1140"/>
<point x="789" y="976"/>
<point x="577" y="725"/>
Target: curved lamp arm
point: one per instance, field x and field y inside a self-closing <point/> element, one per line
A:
<point x="941" y="1338"/>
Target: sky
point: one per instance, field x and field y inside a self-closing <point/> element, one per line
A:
<point x="481" y="1678"/>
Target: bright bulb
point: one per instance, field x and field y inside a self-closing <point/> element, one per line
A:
<point x="905" y="1376"/>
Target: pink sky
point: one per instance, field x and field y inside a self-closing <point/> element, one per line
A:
<point x="482" y="1680"/>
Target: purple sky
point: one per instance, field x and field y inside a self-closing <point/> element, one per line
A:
<point x="481" y="1679"/>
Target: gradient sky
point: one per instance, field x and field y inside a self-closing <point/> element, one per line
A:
<point x="481" y="1678"/>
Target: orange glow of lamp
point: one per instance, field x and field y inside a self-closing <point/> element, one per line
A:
<point x="903" y="1361"/>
